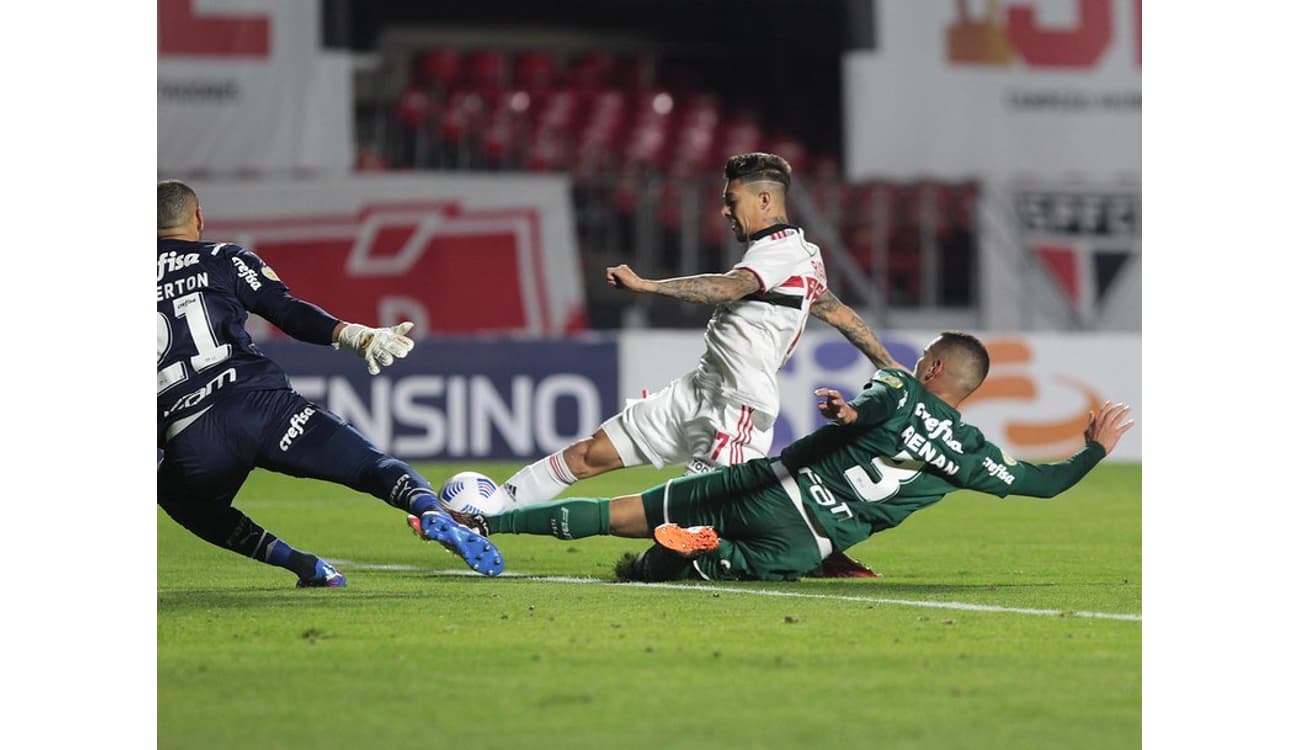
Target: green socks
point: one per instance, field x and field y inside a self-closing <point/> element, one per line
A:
<point x="564" y="519"/>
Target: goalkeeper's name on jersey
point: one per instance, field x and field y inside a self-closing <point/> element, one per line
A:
<point x="183" y="285"/>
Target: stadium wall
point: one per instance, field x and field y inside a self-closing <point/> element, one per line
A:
<point x="247" y="86"/>
<point x="514" y="399"/>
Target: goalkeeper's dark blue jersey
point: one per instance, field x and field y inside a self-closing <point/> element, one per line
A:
<point x="205" y="292"/>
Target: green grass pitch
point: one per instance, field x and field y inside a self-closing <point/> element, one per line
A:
<point x="410" y="655"/>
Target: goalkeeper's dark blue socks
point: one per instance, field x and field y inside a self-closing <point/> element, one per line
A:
<point x="574" y="518"/>
<point x="251" y="540"/>
<point x="421" y="502"/>
<point x="397" y="484"/>
<point x="306" y="565"/>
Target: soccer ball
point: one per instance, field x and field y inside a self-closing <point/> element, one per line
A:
<point x="472" y="492"/>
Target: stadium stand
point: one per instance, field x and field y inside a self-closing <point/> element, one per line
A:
<point x="645" y="144"/>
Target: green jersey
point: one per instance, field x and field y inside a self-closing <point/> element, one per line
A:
<point x="906" y="450"/>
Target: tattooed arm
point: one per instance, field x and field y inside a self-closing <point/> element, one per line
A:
<point x="706" y="288"/>
<point x="829" y="308"/>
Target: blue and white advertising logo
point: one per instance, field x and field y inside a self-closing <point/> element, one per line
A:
<point x="465" y="399"/>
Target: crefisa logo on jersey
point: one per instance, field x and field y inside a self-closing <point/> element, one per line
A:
<point x="246" y="273"/>
<point x="169" y="262"/>
<point x="296" y="427"/>
<point x="998" y="471"/>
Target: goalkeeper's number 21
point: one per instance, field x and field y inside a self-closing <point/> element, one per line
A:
<point x="191" y="309"/>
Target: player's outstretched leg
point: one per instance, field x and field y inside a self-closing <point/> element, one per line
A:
<point x="229" y="528"/>
<point x="543" y="480"/>
<point x="330" y="449"/>
<point x="325" y="447"/>
<point x="571" y="518"/>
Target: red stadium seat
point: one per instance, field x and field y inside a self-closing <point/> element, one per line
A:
<point x="558" y="111"/>
<point x="670" y="204"/>
<point x="603" y="129"/>
<point x="535" y="69"/>
<point x="545" y="153"/>
<point x="696" y="135"/>
<point x="466" y="112"/>
<point x="857" y="239"/>
<point x="415" y="106"/>
<point x="789" y="148"/>
<point x="740" y="135"/>
<point x="936" y="197"/>
<point x="437" y="67"/>
<point x="648" y="140"/>
<point x="485" y="69"/>
<point x="506" y="127"/>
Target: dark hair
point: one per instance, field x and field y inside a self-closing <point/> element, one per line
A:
<point x="758" y="167"/>
<point x="176" y="201"/>
<point x="977" y="357"/>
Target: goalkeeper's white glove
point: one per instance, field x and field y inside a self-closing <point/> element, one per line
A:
<point x="377" y="346"/>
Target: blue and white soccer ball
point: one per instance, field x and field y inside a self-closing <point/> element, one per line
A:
<point x="472" y="492"/>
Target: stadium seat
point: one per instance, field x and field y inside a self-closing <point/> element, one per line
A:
<point x="648" y="140"/>
<point x="485" y="69"/>
<point x="535" y="70"/>
<point x="740" y="135"/>
<point x="789" y="148"/>
<point x="414" y="107"/>
<point x="828" y="191"/>
<point x="546" y="151"/>
<point x="602" y="131"/>
<point x="466" y="112"/>
<point x="505" y="128"/>
<point x="558" y="111"/>
<point x="695" y="136"/>
<point x="935" y="196"/>
<point x="437" y="68"/>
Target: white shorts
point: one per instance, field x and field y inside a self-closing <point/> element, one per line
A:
<point x="688" y="422"/>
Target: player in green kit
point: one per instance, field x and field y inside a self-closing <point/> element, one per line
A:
<point x="899" y="446"/>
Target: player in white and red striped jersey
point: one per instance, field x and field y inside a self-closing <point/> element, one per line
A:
<point x="723" y="412"/>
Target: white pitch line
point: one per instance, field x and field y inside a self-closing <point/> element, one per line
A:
<point x="962" y="606"/>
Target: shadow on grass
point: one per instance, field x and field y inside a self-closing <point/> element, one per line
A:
<point x="275" y="598"/>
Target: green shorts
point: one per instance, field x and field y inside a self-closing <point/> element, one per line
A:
<point x="763" y="536"/>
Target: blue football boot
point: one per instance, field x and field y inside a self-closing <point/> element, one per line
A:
<point x="474" y="548"/>
<point x="326" y="576"/>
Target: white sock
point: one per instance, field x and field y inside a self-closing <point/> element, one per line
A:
<point x="539" y="482"/>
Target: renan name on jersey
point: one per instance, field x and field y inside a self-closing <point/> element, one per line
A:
<point x="924" y="450"/>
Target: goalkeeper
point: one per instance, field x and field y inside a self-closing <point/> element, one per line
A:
<point x="224" y="407"/>
<point x="897" y="447"/>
